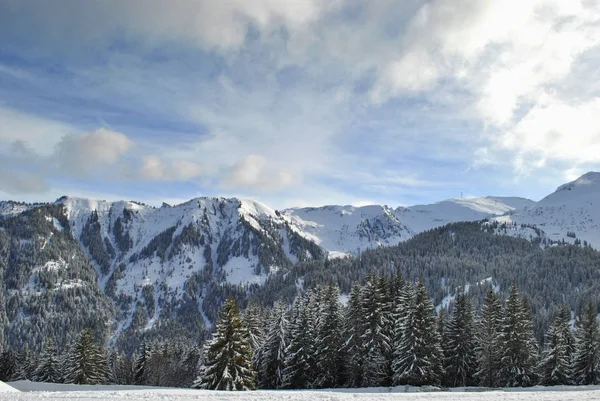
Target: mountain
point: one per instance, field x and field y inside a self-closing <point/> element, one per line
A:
<point x="570" y="213"/>
<point x="168" y="269"/>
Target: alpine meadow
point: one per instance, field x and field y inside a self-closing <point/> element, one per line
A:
<point x="299" y="200"/>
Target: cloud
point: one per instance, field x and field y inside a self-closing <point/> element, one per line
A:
<point x="222" y="25"/>
<point x="252" y="172"/>
<point x="77" y="154"/>
<point x="153" y="168"/>
<point x="22" y="183"/>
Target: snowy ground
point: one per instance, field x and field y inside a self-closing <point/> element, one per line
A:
<point x="48" y="392"/>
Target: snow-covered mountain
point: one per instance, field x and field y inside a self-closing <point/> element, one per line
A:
<point x="152" y="261"/>
<point x="571" y="212"/>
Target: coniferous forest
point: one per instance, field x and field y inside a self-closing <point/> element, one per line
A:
<point x="386" y="333"/>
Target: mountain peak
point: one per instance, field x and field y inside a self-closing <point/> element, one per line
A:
<point x="589" y="178"/>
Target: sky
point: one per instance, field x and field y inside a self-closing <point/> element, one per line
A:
<point x="297" y="102"/>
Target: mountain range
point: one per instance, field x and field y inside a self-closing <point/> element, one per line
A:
<point x="162" y="257"/>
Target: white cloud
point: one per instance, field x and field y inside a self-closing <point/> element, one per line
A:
<point x="22" y="183"/>
<point x="77" y="154"/>
<point x="154" y="168"/>
<point x="252" y="172"/>
<point x="40" y="134"/>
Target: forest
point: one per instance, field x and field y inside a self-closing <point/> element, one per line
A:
<point x="388" y="333"/>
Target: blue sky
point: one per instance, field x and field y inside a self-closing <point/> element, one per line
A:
<point x="297" y="102"/>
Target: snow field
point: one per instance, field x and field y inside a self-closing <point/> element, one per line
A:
<point x="104" y="393"/>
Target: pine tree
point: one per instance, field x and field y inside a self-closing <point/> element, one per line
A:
<point x="48" y="370"/>
<point x="586" y="361"/>
<point x="460" y="360"/>
<point x="419" y="357"/>
<point x="87" y="362"/>
<point x="518" y="346"/>
<point x="254" y="317"/>
<point x="299" y="353"/>
<point x="488" y="341"/>
<point x="375" y="342"/>
<point x="328" y="347"/>
<point x="228" y="356"/>
<point x="555" y="368"/>
<point x="274" y="348"/>
<point x="140" y="366"/>
<point x="354" y="329"/>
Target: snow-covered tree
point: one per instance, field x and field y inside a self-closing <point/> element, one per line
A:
<point x="586" y="361"/>
<point x="519" y="350"/>
<point x="144" y="354"/>
<point x="375" y="341"/>
<point x="419" y="357"/>
<point x="488" y="341"/>
<point x="328" y="345"/>
<point x="353" y="329"/>
<point x="299" y="360"/>
<point x="48" y="368"/>
<point x="460" y="360"/>
<point x="555" y="367"/>
<point x="273" y="351"/>
<point x="86" y="363"/>
<point x="228" y="356"/>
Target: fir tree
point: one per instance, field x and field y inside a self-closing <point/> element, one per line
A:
<point x="48" y="370"/>
<point x="586" y="361"/>
<point x="228" y="356"/>
<point x="518" y="346"/>
<point x="299" y="353"/>
<point x="419" y="357"/>
<point x="375" y="342"/>
<point x="141" y="360"/>
<point x="273" y="352"/>
<point x="328" y="347"/>
<point x="555" y="368"/>
<point x="86" y="363"/>
<point x="354" y="329"/>
<point x="460" y="360"/>
<point x="488" y="341"/>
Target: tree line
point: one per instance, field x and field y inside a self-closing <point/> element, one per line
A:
<point x="386" y="333"/>
<point x="389" y="334"/>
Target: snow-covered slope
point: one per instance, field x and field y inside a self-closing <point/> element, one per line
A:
<point x="158" y="254"/>
<point x="343" y="230"/>
<point x="425" y="217"/>
<point x="571" y="212"/>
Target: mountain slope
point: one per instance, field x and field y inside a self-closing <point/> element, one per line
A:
<point x="571" y="212"/>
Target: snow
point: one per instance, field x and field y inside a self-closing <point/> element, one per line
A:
<point x="239" y="271"/>
<point x="5" y="388"/>
<point x="573" y="207"/>
<point x="51" y="392"/>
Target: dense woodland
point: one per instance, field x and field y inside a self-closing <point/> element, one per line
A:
<point x="387" y="334"/>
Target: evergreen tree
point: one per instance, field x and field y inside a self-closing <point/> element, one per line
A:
<point x="586" y="361"/>
<point x="299" y="353"/>
<point x="419" y="357"/>
<point x="375" y="342"/>
<point x="273" y="352"/>
<point x="460" y="360"/>
<point x="555" y="368"/>
<point x="254" y="317"/>
<point x="8" y="365"/>
<point x="328" y="347"/>
<point x="141" y="360"/>
<point x="228" y="356"/>
<point x="488" y="341"/>
<point x="354" y="329"/>
<point x="518" y="346"/>
<point x="86" y="363"/>
<point x="48" y="370"/>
